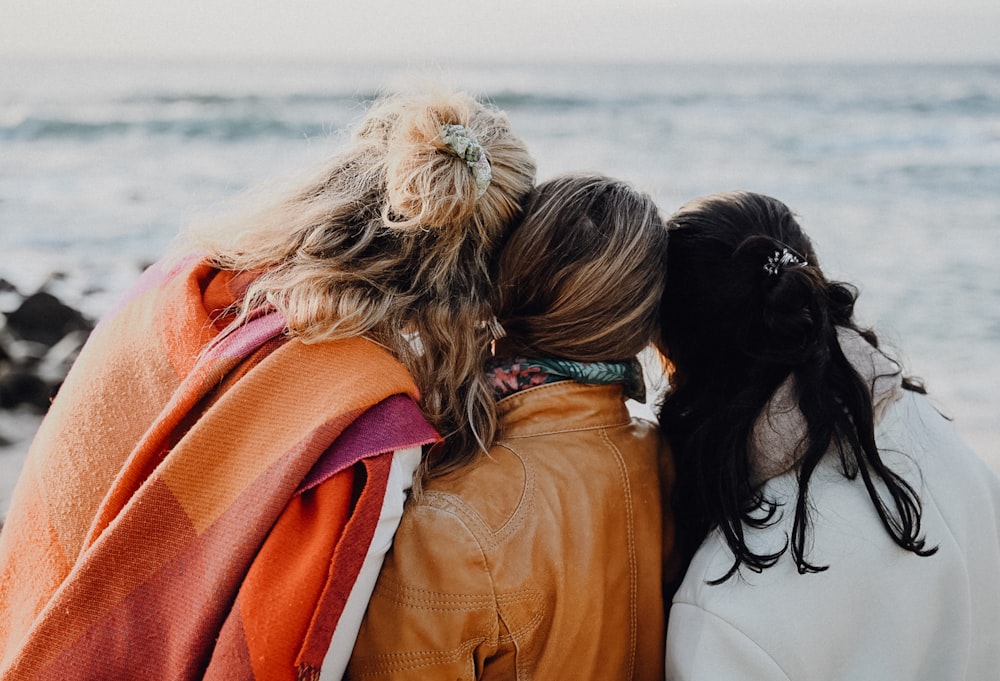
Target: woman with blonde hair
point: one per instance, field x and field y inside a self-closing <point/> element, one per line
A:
<point x="543" y="558"/>
<point x="213" y="489"/>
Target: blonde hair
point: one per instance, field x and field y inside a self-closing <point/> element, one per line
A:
<point x="390" y="242"/>
<point x="581" y="276"/>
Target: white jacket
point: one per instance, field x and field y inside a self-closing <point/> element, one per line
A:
<point x="878" y="613"/>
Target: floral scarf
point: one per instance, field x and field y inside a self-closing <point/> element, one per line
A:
<point x="508" y="376"/>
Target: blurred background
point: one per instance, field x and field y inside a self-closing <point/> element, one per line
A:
<point x="878" y="123"/>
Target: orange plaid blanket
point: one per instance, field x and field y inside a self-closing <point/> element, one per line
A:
<point x="199" y="499"/>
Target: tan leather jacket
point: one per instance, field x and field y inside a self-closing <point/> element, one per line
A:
<point x="541" y="561"/>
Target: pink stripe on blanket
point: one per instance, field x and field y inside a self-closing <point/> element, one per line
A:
<point x="241" y="341"/>
<point x="394" y="423"/>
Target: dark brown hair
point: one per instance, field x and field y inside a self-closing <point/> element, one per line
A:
<point x="737" y="323"/>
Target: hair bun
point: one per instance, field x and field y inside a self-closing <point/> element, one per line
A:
<point x="429" y="183"/>
<point x="789" y="299"/>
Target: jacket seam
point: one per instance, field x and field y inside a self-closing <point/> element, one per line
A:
<point x="491" y="602"/>
<point x="633" y="624"/>
<point x="461" y="604"/>
<point x="489" y="541"/>
<point x="454" y="505"/>
<point x="392" y="662"/>
<point x="524" y="505"/>
<point x="487" y="537"/>
<point x="513" y="636"/>
<point x="430" y="593"/>
<point x="599" y="426"/>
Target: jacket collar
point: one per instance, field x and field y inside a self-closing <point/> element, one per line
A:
<point x="561" y="407"/>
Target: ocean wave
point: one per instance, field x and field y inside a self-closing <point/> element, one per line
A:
<point x="229" y="117"/>
<point x="893" y="168"/>
<point x="215" y="100"/>
<point x="38" y="128"/>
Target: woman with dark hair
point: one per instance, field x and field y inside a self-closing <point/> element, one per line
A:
<point x="832" y="524"/>
<point x="541" y="559"/>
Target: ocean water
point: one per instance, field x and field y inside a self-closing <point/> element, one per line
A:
<point x="893" y="169"/>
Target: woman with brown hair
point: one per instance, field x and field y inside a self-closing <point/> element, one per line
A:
<point x="213" y="489"/>
<point x="542" y="558"/>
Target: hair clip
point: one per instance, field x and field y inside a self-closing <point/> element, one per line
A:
<point x="495" y="328"/>
<point x="779" y="260"/>
<point x="460" y="140"/>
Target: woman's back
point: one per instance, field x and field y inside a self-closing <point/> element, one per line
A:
<point x="552" y="566"/>
<point x="541" y="557"/>
<point x="878" y="612"/>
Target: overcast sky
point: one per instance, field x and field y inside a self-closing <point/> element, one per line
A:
<point x="911" y="30"/>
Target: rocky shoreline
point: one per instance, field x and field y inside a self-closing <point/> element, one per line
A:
<point x="39" y="340"/>
<point x="40" y="337"/>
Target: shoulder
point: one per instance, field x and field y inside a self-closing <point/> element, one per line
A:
<point x="846" y="536"/>
<point x="923" y="446"/>
<point x="436" y="560"/>
<point x="484" y="496"/>
<point x="903" y="594"/>
<point x="952" y="480"/>
<point x="914" y="430"/>
<point x="640" y="430"/>
<point x="790" y="625"/>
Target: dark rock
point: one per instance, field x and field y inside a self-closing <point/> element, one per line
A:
<point x="23" y="388"/>
<point x="43" y="318"/>
<point x="39" y="341"/>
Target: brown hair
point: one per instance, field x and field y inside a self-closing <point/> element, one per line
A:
<point x="391" y="242"/>
<point x="580" y="277"/>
